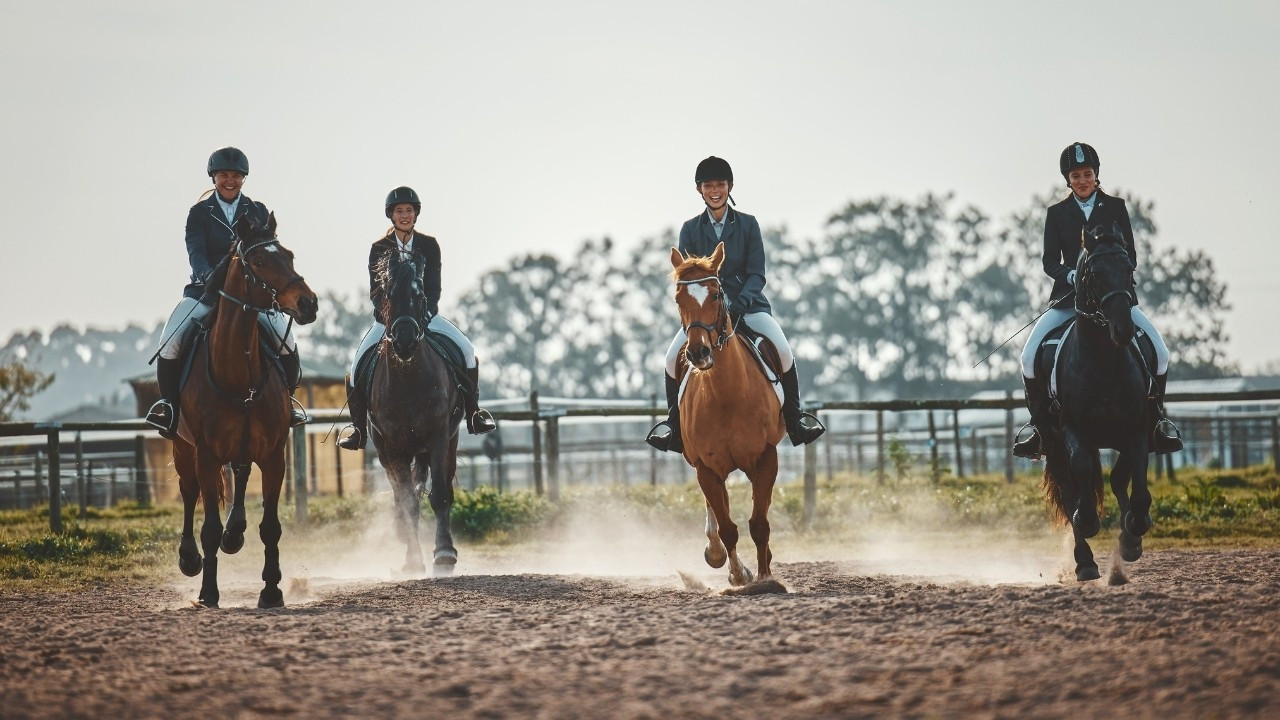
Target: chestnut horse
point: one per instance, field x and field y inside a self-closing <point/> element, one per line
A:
<point x="730" y="416"/>
<point x="235" y="409"/>
<point x="1103" y="383"/>
<point x="414" y="413"/>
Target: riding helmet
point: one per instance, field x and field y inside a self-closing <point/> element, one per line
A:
<point x="713" y="168"/>
<point x="403" y="194"/>
<point x="1077" y="155"/>
<point x="228" y="158"/>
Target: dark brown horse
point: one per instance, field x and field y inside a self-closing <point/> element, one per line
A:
<point x="235" y="409"/>
<point x="730" y="416"/>
<point x="414" y="413"/>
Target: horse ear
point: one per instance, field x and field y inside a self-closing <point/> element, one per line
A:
<point x="271" y="223"/>
<point x="676" y="258"/>
<point x="1115" y="229"/>
<point x="244" y="226"/>
<point x="717" y="257"/>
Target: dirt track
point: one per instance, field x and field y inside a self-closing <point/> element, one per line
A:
<point x="1194" y="635"/>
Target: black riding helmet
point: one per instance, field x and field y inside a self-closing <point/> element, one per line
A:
<point x="228" y="158"/>
<point x="713" y="168"/>
<point x="403" y="194"/>
<point x="1078" y="155"/>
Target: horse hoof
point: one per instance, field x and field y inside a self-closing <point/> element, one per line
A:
<point x="207" y="602"/>
<point x="715" y="562"/>
<point x="1137" y="527"/>
<point x="270" y="598"/>
<point x="1087" y="572"/>
<point x="190" y="565"/>
<point x="742" y="580"/>
<point x="1086" y="529"/>
<point x="446" y="557"/>
<point x="231" y="544"/>
<point x="1130" y="546"/>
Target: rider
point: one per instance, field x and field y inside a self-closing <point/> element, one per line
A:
<point x="1086" y="206"/>
<point x="210" y="235"/>
<point x="742" y="277"/>
<point x="402" y="208"/>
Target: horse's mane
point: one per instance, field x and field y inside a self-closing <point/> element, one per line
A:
<point x="394" y="275"/>
<point x="693" y="262"/>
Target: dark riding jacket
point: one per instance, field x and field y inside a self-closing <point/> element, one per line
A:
<point x="427" y="253"/>
<point x="209" y="236"/>
<point x="1064" y="225"/>
<point x="742" y="273"/>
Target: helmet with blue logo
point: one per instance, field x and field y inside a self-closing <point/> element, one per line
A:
<point x="1078" y="155"/>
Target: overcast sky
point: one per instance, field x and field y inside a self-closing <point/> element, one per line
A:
<point x="530" y="126"/>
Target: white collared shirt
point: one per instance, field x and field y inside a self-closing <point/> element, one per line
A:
<point x="406" y="248"/>
<point x="1086" y="206"/>
<point x="718" y="225"/>
<point x="228" y="208"/>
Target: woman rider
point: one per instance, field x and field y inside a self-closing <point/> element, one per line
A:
<point x="402" y="208"/>
<point x="742" y="278"/>
<point x="1087" y="206"/>
<point x="210" y="234"/>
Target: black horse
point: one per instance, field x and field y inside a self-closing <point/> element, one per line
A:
<point x="414" y="414"/>
<point x="1103" y="383"/>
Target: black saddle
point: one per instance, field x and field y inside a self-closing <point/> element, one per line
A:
<point x="446" y="348"/>
<point x="1047" y="356"/>
<point x="199" y="342"/>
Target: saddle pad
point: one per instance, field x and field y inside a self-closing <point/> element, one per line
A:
<point x="1142" y="344"/>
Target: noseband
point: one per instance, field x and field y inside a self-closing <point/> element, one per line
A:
<point x="251" y="279"/>
<point x="718" y="331"/>
<point x="1085" y="285"/>
<point x="415" y="291"/>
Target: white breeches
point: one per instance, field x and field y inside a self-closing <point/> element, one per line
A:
<point x="762" y="323"/>
<point x="1057" y="316"/>
<point x="438" y="324"/>
<point x="176" y="330"/>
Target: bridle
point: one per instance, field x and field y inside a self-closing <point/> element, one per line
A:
<point x="251" y="279"/>
<point x="415" y="292"/>
<point x="719" y="329"/>
<point x="1086" y="290"/>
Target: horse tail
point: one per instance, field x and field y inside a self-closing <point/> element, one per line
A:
<point x="1060" y="494"/>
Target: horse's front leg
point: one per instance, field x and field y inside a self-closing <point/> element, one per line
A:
<point x="237" y="523"/>
<point x="1086" y="475"/>
<point x="405" y="493"/>
<point x="209" y="471"/>
<point x="189" y="483"/>
<point x="272" y="469"/>
<point x="445" y="555"/>
<point x="1135" y="508"/>
<point x="713" y="489"/>
<point x="762" y="476"/>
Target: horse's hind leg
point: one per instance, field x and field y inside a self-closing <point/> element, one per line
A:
<point x="1133" y="523"/>
<point x="233" y="535"/>
<point x="443" y="463"/>
<point x="1086" y="475"/>
<point x="189" y="484"/>
<point x="762" y="478"/>
<point x="1086" y="566"/>
<point x="1138" y="519"/>
<point x="407" y="506"/>
<point x="717" y="497"/>
<point x="269" y="530"/>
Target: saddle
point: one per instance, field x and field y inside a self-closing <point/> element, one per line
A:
<point x="441" y="344"/>
<point x="1051" y="347"/>
<point x="198" y="342"/>
<point x="768" y="361"/>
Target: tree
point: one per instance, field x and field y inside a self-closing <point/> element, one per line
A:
<point x="338" y="330"/>
<point x="18" y="383"/>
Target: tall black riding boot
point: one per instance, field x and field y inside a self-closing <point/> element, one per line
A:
<point x="479" y="421"/>
<point x="802" y="427"/>
<point x="666" y="434"/>
<point x="1165" y="437"/>
<point x="293" y="376"/>
<point x="359" y="419"/>
<point x="1038" y="404"/>
<point x="163" y="414"/>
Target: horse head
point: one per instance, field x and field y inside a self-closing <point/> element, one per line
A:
<point x="405" y="304"/>
<point x="703" y="312"/>
<point x="271" y="283"/>
<point x="1104" y="282"/>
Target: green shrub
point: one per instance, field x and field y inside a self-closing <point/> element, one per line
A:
<point x="485" y="513"/>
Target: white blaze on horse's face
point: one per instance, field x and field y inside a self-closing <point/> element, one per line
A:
<point x="698" y="292"/>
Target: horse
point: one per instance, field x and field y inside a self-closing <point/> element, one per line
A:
<point x="1103" y="382"/>
<point x="730" y="416"/>
<point x="414" y="411"/>
<point x="236" y="409"/>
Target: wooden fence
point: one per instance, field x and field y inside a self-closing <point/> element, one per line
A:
<point x="130" y="474"/>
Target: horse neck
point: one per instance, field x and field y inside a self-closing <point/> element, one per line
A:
<point x="732" y="361"/>
<point x="1096" y="345"/>
<point x="234" y="337"/>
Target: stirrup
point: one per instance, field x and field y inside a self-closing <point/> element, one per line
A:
<point x="808" y="428"/>
<point x="354" y="441"/>
<point x="668" y="441"/>
<point x="1164" y="441"/>
<point x="481" y="422"/>
<point x="161" y="417"/>
<point x="297" y="413"/>
<point x="1030" y="448"/>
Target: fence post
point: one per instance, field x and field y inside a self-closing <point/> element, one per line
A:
<point x="935" y="472"/>
<point x="880" y="447"/>
<point x="55" y="481"/>
<point x="826" y="448"/>
<point x="653" y="451"/>
<point x="810" y="482"/>
<point x="553" y="458"/>
<point x="537" y="443"/>
<point x="312" y="465"/>
<point x="300" y="474"/>
<point x="141" y="476"/>
<point x="955" y="425"/>
<point x="337" y="466"/>
<point x="39" y="473"/>
<point x="1275" y="441"/>
<point x="82" y="495"/>
<point x="1008" y="438"/>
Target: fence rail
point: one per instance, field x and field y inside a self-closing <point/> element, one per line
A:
<point x="1240" y="435"/>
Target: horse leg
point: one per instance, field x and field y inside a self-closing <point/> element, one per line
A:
<point x="714" y="554"/>
<point x="1138" y="520"/>
<point x="407" y="511"/>
<point x="1086" y="566"/>
<point x="717" y="497"/>
<point x="1086" y="473"/>
<point x="210" y="473"/>
<point x="1130" y="544"/>
<point x="445" y="555"/>
<point x="762" y="478"/>
<point x="269" y="530"/>
<point x="184" y="462"/>
<point x="233" y="535"/>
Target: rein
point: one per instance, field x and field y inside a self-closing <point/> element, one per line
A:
<point x="718" y="330"/>
<point x="1088" y="294"/>
<point x="251" y="279"/>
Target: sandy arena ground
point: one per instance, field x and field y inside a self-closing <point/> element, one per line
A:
<point x="1192" y="634"/>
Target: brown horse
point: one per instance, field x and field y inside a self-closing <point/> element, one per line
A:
<point x="235" y="409"/>
<point x="730" y="416"/>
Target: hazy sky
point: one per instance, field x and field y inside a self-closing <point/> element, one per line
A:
<point x="530" y="126"/>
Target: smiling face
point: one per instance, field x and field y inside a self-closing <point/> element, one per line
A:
<point x="1083" y="181"/>
<point x="403" y="217"/>
<point x="715" y="193"/>
<point x="228" y="183"/>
